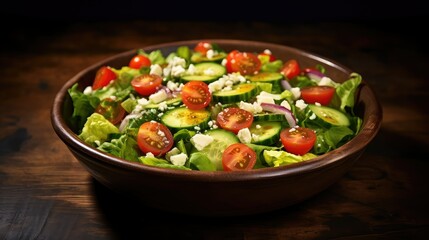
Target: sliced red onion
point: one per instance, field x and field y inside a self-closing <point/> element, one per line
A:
<point x="274" y="108"/>
<point x="285" y="84"/>
<point x="314" y="74"/>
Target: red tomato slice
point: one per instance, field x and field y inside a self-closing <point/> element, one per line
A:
<point x="320" y="94"/>
<point x="154" y="137"/>
<point x="245" y="63"/>
<point x="111" y="110"/>
<point x="299" y="140"/>
<point x="139" y="61"/>
<point x="234" y="119"/>
<point x="146" y="84"/>
<point x="238" y="157"/>
<point x="290" y="69"/>
<point x="196" y="95"/>
<point x="203" y="47"/>
<point x="103" y="77"/>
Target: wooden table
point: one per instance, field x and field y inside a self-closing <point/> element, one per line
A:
<point x="46" y="194"/>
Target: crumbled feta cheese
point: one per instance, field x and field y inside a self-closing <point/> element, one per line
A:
<point x="179" y="159"/>
<point x="156" y="69"/>
<point x="158" y="97"/>
<point x="258" y="126"/>
<point x="143" y="101"/>
<point x="223" y="63"/>
<point x="267" y="51"/>
<point x="317" y="104"/>
<point x="149" y="154"/>
<point x="273" y="96"/>
<point x="172" y="85"/>
<point x="161" y="133"/>
<point x="300" y="104"/>
<point x="312" y="117"/>
<point x="163" y="106"/>
<point x="172" y="152"/>
<point x="285" y="104"/>
<point x="296" y="92"/>
<point x="200" y="141"/>
<point x="253" y="108"/>
<point x="325" y="81"/>
<point x="255" y="137"/>
<point x="244" y="135"/>
<point x="264" y="99"/>
<point x="191" y="69"/>
<point x="177" y="71"/>
<point x="210" y="53"/>
<point x="88" y="90"/>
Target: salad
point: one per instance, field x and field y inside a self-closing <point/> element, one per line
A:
<point x="202" y="108"/>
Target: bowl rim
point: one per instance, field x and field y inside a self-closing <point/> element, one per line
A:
<point x="368" y="130"/>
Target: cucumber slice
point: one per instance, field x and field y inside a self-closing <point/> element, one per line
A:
<point x="327" y="116"/>
<point x="274" y="78"/>
<point x="221" y="140"/>
<point x="266" y="77"/>
<point x="197" y="58"/>
<point x="267" y="133"/>
<point x="185" y="118"/>
<point x="206" y="72"/>
<point x="240" y="92"/>
<point x="270" y="117"/>
<point x="170" y="102"/>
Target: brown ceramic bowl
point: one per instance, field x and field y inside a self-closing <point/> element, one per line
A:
<point x="220" y="193"/>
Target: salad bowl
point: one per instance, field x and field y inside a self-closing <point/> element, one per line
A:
<point x="220" y="193"/>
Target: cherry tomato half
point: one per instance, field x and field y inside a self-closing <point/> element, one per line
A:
<point x="196" y="95"/>
<point x="203" y="47"/>
<point x="154" y="137"/>
<point x="290" y="69"/>
<point x="146" y="84"/>
<point x="238" y="157"/>
<point x="234" y="119"/>
<point x="111" y="110"/>
<point x="320" y="94"/>
<point x="245" y="63"/>
<point x="299" y="140"/>
<point x="139" y="61"/>
<point x="103" y="77"/>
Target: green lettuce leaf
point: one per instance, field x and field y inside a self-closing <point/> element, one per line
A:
<point x="83" y="106"/>
<point x="158" y="162"/>
<point x="281" y="158"/>
<point x="199" y="161"/>
<point x="123" y="147"/>
<point x="97" y="130"/>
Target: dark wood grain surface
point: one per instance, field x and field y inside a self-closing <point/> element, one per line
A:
<point x="46" y="194"/>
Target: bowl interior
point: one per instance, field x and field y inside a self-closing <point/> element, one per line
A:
<point x="367" y="107"/>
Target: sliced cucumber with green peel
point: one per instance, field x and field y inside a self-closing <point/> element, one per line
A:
<point x="170" y="102"/>
<point x="270" y="117"/>
<point x="269" y="77"/>
<point x="265" y="133"/>
<point x="240" y="92"/>
<point x="221" y="140"/>
<point x="266" y="77"/>
<point x="327" y="116"/>
<point x="206" y="72"/>
<point x="185" y="118"/>
<point x="197" y="57"/>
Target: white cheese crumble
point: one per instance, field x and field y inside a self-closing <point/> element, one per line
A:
<point x="158" y="97"/>
<point x="149" y="154"/>
<point x="244" y="135"/>
<point x="221" y="83"/>
<point x="285" y="104"/>
<point x="210" y="53"/>
<point x="88" y="90"/>
<point x="325" y="81"/>
<point x="300" y="104"/>
<point x="179" y="159"/>
<point x="191" y="69"/>
<point x="155" y="69"/>
<point x="223" y="63"/>
<point x="312" y="117"/>
<point x="200" y="141"/>
<point x="317" y="104"/>
<point x="296" y="92"/>
<point x="253" y="108"/>
<point x="267" y="51"/>
<point x="264" y="99"/>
